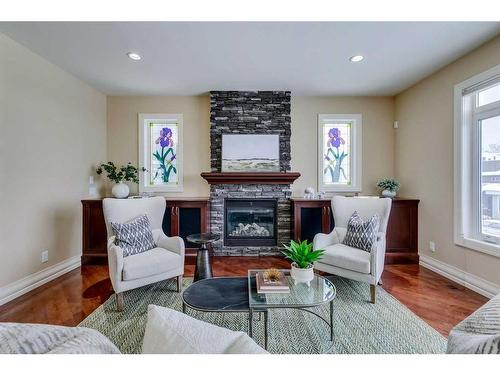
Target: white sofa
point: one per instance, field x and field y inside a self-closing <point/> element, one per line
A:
<point x="16" y="338"/>
<point x="164" y="262"/>
<point x="167" y="332"/>
<point x="479" y="333"/>
<point x="346" y="261"/>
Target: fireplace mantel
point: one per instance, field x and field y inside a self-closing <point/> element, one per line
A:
<point x="265" y="178"/>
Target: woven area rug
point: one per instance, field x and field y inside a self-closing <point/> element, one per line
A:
<point x="359" y="326"/>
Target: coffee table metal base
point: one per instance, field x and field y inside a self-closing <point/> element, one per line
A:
<point x="203" y="269"/>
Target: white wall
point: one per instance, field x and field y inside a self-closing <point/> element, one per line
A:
<point x="53" y="130"/>
<point x="424" y="159"/>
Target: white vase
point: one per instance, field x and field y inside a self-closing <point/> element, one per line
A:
<point x="120" y="190"/>
<point x="388" y="194"/>
<point x="302" y="275"/>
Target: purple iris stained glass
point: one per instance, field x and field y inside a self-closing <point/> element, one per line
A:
<point x="336" y="153"/>
<point x="163" y="157"/>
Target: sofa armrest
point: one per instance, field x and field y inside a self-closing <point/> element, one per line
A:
<point x="322" y="240"/>
<point x="115" y="263"/>
<point x="174" y="244"/>
<point x="377" y="256"/>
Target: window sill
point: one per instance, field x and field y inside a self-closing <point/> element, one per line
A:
<point x="481" y="246"/>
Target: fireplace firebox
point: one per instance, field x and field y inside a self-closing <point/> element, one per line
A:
<point x="250" y="222"/>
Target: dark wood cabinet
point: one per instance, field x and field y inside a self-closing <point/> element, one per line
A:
<point x="314" y="216"/>
<point x="182" y="218"/>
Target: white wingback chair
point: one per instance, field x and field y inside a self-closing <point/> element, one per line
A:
<point x="346" y="261"/>
<point x="161" y="263"/>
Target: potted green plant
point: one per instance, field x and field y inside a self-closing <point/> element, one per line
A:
<point x="119" y="176"/>
<point x="389" y="187"/>
<point x="303" y="257"/>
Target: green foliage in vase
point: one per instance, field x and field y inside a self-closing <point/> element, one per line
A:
<point x="126" y="172"/>
<point x="302" y="253"/>
<point x="390" y="184"/>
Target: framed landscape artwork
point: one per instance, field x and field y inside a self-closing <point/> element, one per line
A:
<point x="160" y="153"/>
<point x="250" y="153"/>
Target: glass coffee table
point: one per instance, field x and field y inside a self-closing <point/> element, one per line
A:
<point x="239" y="294"/>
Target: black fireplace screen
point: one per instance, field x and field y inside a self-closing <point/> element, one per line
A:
<point x="250" y="222"/>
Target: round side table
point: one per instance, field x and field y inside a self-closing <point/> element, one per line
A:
<point x="203" y="269"/>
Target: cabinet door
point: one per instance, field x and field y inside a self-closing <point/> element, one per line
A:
<point x="183" y="218"/>
<point x="94" y="233"/>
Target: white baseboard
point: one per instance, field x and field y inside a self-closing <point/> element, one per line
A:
<point x="470" y="281"/>
<point x="28" y="283"/>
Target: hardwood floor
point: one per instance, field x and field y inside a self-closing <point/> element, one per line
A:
<point x="68" y="299"/>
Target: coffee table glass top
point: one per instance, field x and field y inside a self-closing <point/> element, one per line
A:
<point x="320" y="291"/>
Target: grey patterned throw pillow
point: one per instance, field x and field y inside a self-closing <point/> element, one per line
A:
<point x="134" y="236"/>
<point x="361" y="234"/>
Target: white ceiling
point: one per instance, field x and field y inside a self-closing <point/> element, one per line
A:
<point x="185" y="58"/>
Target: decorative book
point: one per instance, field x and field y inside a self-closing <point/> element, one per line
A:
<point x="272" y="281"/>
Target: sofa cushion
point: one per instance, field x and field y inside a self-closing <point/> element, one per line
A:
<point x="18" y="338"/>
<point x="349" y="258"/>
<point x="149" y="263"/>
<point x="172" y="332"/>
<point x="479" y="333"/>
<point x="361" y="234"/>
<point x="134" y="236"/>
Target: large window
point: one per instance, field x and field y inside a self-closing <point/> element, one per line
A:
<point x="160" y="152"/>
<point x="339" y="153"/>
<point x="477" y="162"/>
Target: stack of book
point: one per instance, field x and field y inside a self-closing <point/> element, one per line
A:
<point x="266" y="285"/>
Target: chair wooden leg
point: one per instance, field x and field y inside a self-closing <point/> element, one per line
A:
<point x="179" y="283"/>
<point x="119" y="301"/>
<point x="373" y="292"/>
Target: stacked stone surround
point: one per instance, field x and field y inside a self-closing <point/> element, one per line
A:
<point x="249" y="112"/>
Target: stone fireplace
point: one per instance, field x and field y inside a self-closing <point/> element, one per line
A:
<point x="260" y="205"/>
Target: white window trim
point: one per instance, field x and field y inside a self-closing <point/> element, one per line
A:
<point x="464" y="169"/>
<point x="142" y="130"/>
<point x="356" y="153"/>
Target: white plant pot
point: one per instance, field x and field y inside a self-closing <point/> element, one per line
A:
<point x="302" y="275"/>
<point x="388" y="194"/>
<point x="120" y="190"/>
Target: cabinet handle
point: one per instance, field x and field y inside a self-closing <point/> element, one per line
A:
<point x="177" y="211"/>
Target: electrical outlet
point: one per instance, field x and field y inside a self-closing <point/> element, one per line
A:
<point x="45" y="256"/>
<point x="432" y="246"/>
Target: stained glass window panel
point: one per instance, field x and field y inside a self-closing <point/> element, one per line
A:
<point x="337" y="153"/>
<point x="163" y="140"/>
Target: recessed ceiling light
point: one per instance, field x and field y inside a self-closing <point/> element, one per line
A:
<point x="134" y="56"/>
<point x="356" y="58"/>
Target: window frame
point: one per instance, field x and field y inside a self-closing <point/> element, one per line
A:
<point x="356" y="153"/>
<point x="467" y="167"/>
<point x="144" y="150"/>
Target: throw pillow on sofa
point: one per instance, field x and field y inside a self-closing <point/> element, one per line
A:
<point x="134" y="236"/>
<point x="172" y="332"/>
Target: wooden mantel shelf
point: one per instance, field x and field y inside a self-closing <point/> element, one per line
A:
<point x="250" y="178"/>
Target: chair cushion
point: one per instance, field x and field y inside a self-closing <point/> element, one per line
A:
<point x="149" y="263"/>
<point x="361" y="234"/>
<point x="172" y="332"/>
<point x="349" y="258"/>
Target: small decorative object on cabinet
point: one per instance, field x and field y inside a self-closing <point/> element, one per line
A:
<point x="314" y="216"/>
<point x="309" y="193"/>
<point x="303" y="257"/>
<point x="389" y="186"/>
<point x="183" y="216"/>
<point x="119" y="176"/>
